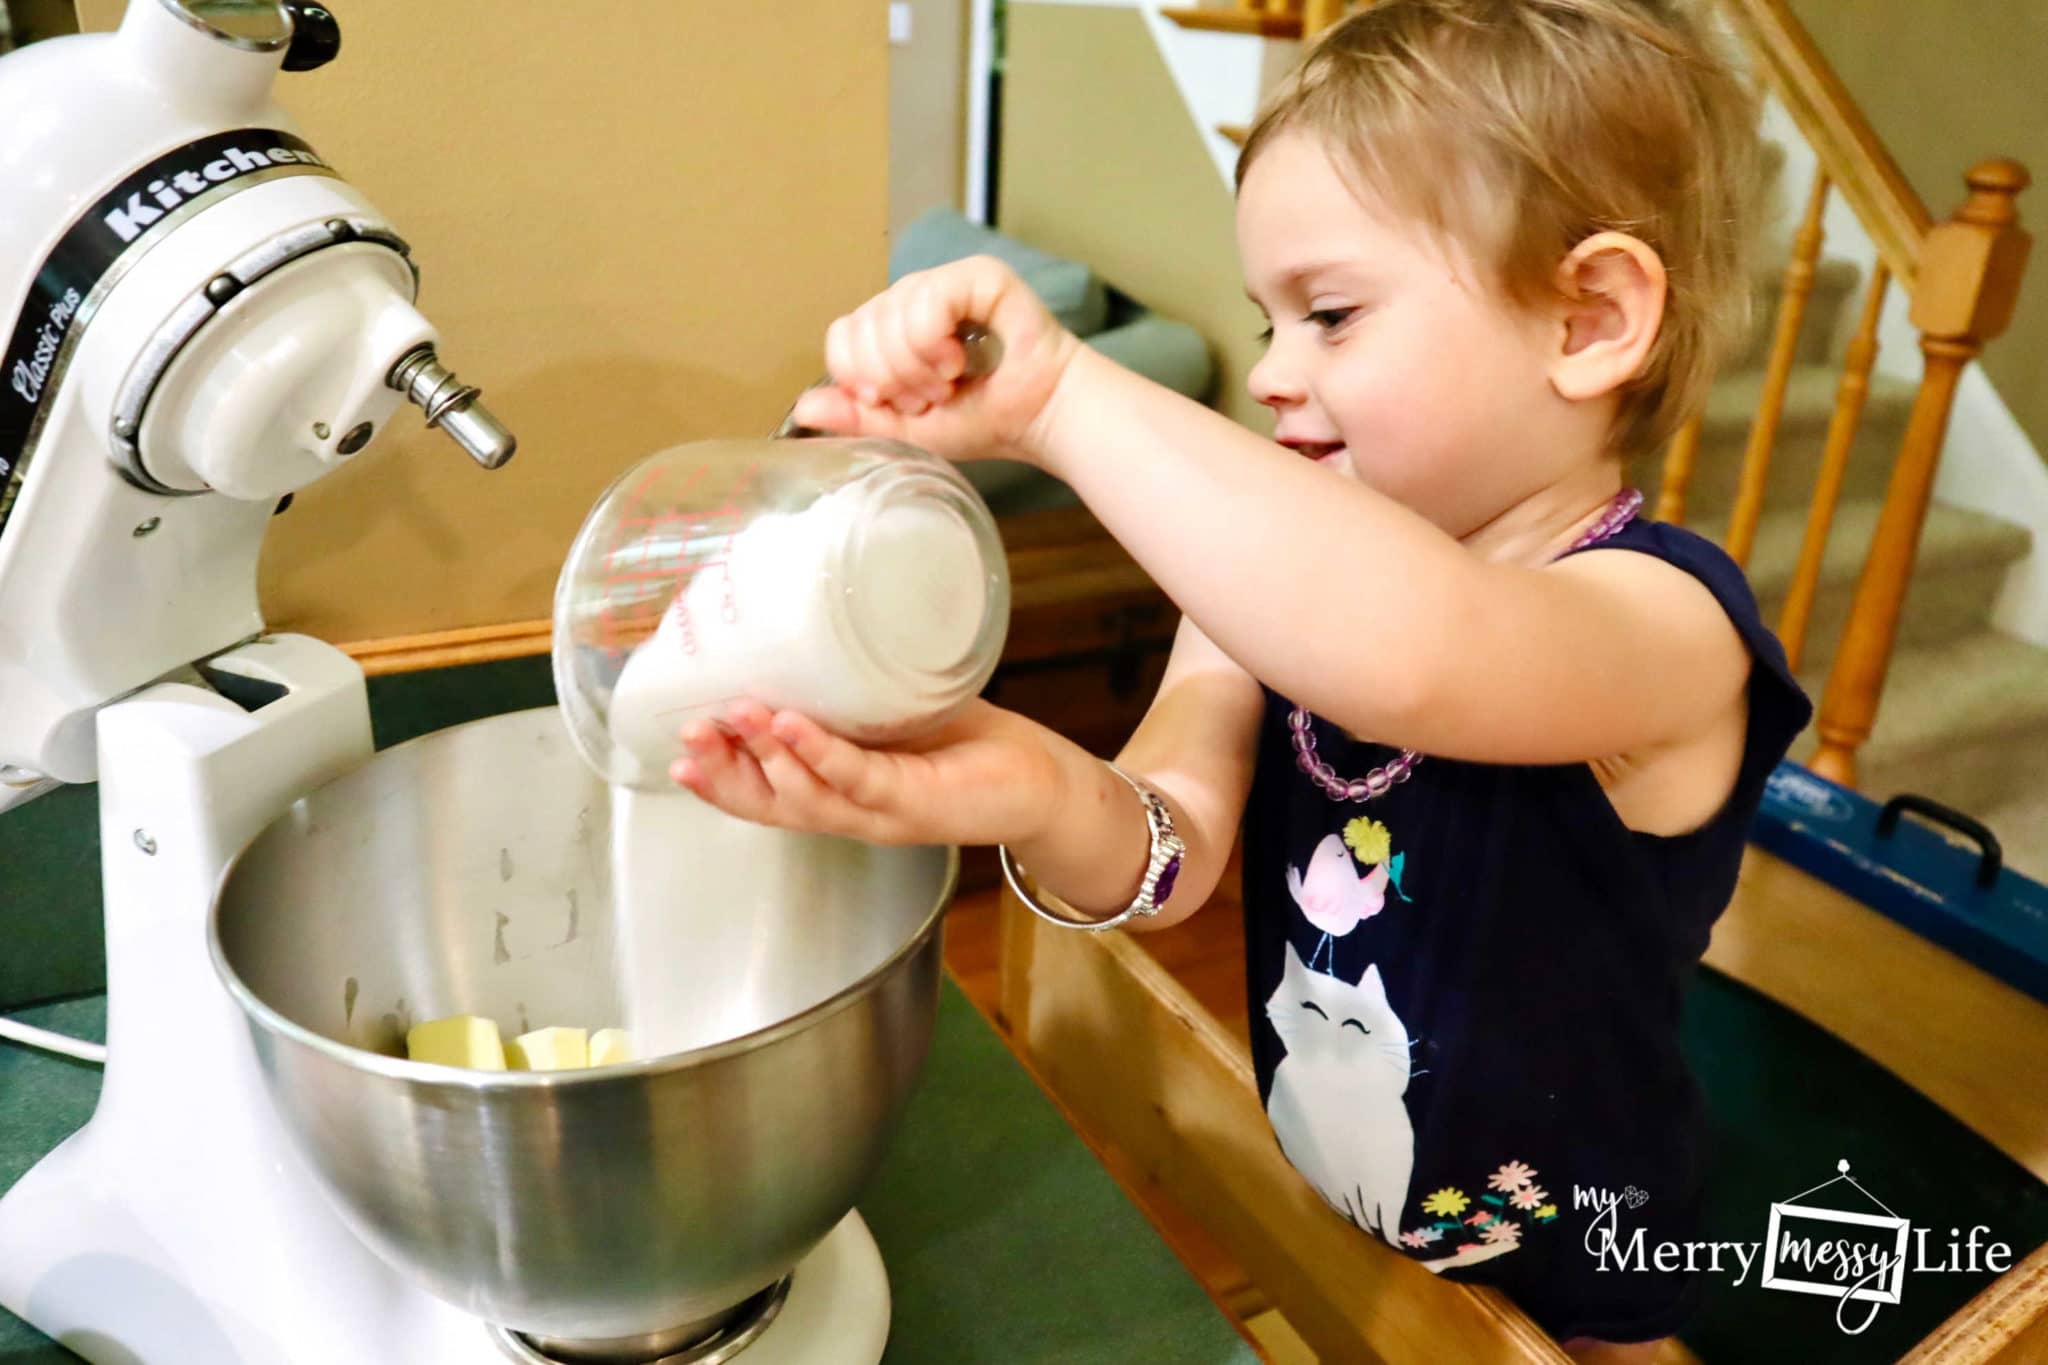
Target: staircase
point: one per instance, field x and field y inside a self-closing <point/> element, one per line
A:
<point x="1965" y="715"/>
<point x="1965" y="707"/>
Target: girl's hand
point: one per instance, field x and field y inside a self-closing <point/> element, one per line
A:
<point x="896" y="365"/>
<point x="988" y="776"/>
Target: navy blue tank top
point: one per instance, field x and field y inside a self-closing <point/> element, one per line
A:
<point x="1465" y="996"/>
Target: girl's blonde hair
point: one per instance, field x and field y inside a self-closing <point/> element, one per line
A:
<point x="1518" y="128"/>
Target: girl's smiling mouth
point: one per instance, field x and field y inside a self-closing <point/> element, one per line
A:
<point x="1324" y="453"/>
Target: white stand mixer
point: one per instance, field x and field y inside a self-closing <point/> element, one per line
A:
<point x="209" y="319"/>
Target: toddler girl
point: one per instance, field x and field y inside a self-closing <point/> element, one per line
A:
<point x="1491" y="737"/>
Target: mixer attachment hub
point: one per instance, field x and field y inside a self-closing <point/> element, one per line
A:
<point x="452" y="406"/>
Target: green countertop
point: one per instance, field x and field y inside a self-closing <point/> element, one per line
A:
<point x="1005" y="1240"/>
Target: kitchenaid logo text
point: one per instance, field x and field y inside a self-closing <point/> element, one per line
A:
<point x="158" y="197"/>
<point x="33" y="371"/>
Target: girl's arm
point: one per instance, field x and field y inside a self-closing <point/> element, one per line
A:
<point x="1195" y="747"/>
<point x="992" y="776"/>
<point x="1366" y="613"/>
<point x="1333" y="595"/>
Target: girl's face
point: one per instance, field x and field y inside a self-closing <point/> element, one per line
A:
<point x="1394" y="358"/>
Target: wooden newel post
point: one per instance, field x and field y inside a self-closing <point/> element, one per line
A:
<point x="1969" y="280"/>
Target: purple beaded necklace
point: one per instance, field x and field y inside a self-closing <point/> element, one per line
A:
<point x="1384" y="778"/>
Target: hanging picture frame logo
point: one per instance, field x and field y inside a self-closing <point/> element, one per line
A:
<point x="1814" y="1249"/>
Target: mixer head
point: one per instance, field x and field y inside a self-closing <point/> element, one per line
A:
<point x="204" y="318"/>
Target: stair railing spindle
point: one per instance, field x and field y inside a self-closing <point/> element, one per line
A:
<point x="1679" y="459"/>
<point x="1763" y="431"/>
<point x="1834" y="464"/>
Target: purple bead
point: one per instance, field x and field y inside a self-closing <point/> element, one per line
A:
<point x="1619" y="513"/>
<point x="1167" y="876"/>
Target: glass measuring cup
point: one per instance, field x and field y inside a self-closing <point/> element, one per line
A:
<point x="857" y="580"/>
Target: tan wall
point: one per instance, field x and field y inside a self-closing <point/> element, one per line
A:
<point x="928" y="112"/>
<point x="1101" y="163"/>
<point x="632" y="232"/>
<point x="1946" y="85"/>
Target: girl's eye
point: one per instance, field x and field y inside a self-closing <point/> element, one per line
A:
<point x="1330" y="319"/>
<point x="1265" y="337"/>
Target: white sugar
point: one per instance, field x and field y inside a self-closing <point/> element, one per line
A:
<point x="769" y="622"/>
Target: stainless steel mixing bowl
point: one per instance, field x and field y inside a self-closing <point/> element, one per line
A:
<point x="474" y="871"/>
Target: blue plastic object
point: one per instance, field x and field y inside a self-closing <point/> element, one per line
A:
<point x="1948" y="887"/>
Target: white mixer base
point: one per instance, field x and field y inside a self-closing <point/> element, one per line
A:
<point x="837" y="1310"/>
<point x="179" y="1226"/>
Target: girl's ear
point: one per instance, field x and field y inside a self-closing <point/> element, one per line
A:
<point x="1610" y="303"/>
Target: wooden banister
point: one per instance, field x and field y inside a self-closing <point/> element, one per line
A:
<point x="1265" y="18"/>
<point x="1970" y="269"/>
<point x="1250" y="19"/>
<point x="1849" y="149"/>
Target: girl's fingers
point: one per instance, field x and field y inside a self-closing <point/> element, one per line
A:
<point x="872" y="385"/>
<point x="786" y="773"/>
<point x="840" y="360"/>
<point x="931" y="318"/>
<point x="857" y="774"/>
<point x="802" y="799"/>
<point x="828" y="410"/>
<point x="906" y="358"/>
<point x="721" y="772"/>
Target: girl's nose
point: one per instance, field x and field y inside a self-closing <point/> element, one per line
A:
<point x="1273" y="382"/>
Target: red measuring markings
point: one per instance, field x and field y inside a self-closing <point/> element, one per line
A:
<point x="673" y="548"/>
<point x="715" y="529"/>
<point x="638" y="566"/>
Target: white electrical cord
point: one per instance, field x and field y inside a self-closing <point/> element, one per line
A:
<point x="62" y="1043"/>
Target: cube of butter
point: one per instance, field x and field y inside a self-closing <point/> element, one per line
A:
<point x="457" y="1040"/>
<point x="549" y="1049"/>
<point x="609" y="1045"/>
